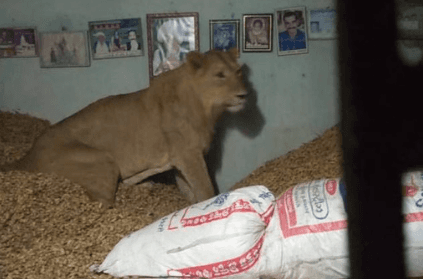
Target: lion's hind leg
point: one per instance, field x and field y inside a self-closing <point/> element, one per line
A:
<point x="95" y="170"/>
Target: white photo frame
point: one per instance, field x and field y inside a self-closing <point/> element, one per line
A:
<point x="322" y="23"/>
<point x="116" y="38"/>
<point x="64" y="49"/>
<point x="291" y="30"/>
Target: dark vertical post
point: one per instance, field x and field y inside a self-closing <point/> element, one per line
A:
<point x="371" y="80"/>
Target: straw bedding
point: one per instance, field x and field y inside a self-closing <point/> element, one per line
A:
<point x="49" y="228"/>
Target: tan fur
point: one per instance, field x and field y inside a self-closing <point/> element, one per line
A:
<point x="136" y="135"/>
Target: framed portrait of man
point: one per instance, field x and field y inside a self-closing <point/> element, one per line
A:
<point x="258" y="32"/>
<point x="224" y="34"/>
<point x="116" y="38"/>
<point x="292" y="33"/>
<point x="18" y="42"/>
<point x="170" y="37"/>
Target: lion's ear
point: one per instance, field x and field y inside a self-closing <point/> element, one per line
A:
<point x="234" y="53"/>
<point x="195" y="59"/>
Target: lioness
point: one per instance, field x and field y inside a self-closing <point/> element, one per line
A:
<point x="133" y="136"/>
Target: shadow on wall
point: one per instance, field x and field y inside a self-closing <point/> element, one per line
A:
<point x="249" y="121"/>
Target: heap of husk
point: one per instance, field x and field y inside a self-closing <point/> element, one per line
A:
<point x="50" y="229"/>
<point x="317" y="159"/>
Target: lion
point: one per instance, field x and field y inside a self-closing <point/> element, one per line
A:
<point x="130" y="137"/>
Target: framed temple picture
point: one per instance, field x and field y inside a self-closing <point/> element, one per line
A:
<point x="170" y="37"/>
<point x="224" y="34"/>
<point x="18" y="42"/>
<point x="116" y="38"/>
<point x="258" y="32"/>
<point x="291" y="31"/>
<point x="64" y="49"/>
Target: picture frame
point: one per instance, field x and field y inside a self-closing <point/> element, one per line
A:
<point x="322" y="23"/>
<point x="224" y="34"/>
<point x="170" y="37"/>
<point x="20" y="42"/>
<point x="257" y="32"/>
<point x="116" y="38"/>
<point x="64" y="49"/>
<point x="409" y="21"/>
<point x="292" y="32"/>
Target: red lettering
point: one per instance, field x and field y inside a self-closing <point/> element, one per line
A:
<point x="331" y="186"/>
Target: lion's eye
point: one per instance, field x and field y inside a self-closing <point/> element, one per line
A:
<point x="220" y="75"/>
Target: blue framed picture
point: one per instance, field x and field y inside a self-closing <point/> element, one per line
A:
<point x="116" y="38"/>
<point x="224" y="34"/>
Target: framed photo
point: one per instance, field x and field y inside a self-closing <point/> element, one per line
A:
<point x="116" y="38"/>
<point x="64" y="49"/>
<point x="170" y="37"/>
<point x="409" y="22"/>
<point x="258" y="32"/>
<point x="18" y="42"/>
<point x="292" y="32"/>
<point x="224" y="34"/>
<point x="322" y="24"/>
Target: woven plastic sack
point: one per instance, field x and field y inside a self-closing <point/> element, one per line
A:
<point x="413" y="222"/>
<point x="220" y="237"/>
<point x="247" y="234"/>
<point x="312" y="230"/>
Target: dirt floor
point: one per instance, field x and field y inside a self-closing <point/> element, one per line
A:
<point x="49" y="228"/>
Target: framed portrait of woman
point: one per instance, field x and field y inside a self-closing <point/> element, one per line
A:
<point x="258" y="32"/>
<point x="170" y="37"/>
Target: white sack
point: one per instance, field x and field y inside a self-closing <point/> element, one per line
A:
<point x="247" y="234"/>
<point x="218" y="237"/>
<point x="413" y="222"/>
<point x="312" y="228"/>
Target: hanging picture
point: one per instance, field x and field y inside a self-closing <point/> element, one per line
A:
<point x="291" y="31"/>
<point x="64" y="49"/>
<point x="409" y="20"/>
<point x="116" y="38"/>
<point x="224" y="34"/>
<point x="322" y="24"/>
<point x="170" y="37"/>
<point x="18" y="42"/>
<point x="258" y="32"/>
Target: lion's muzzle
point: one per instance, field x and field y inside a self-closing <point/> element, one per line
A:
<point x="238" y="103"/>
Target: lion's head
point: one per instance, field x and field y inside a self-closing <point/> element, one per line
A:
<point x="217" y="76"/>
